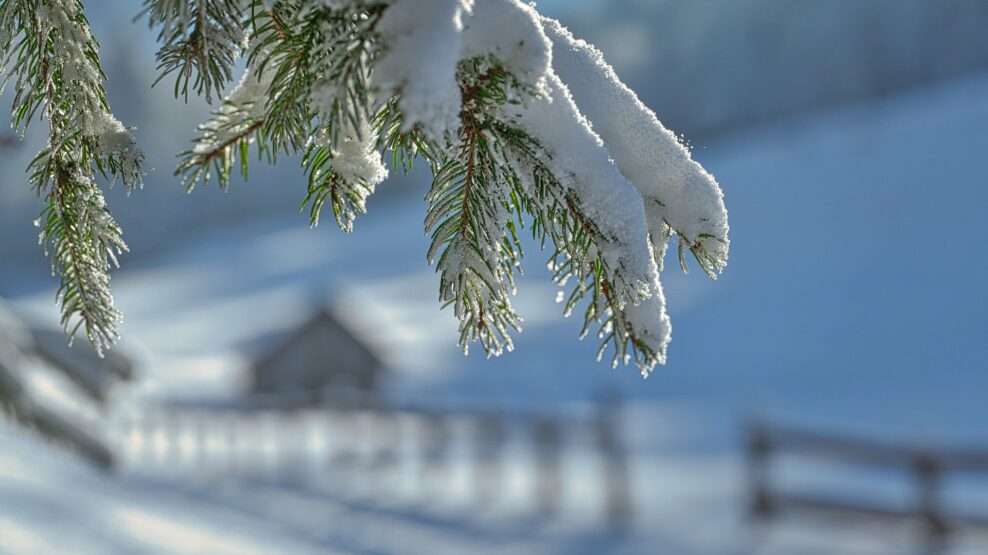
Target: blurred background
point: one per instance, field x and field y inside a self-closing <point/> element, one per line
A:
<point x="281" y="389"/>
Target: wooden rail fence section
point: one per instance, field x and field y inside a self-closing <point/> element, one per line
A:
<point x="371" y="444"/>
<point x="926" y="467"/>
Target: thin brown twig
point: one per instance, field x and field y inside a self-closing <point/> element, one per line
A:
<point x="216" y="152"/>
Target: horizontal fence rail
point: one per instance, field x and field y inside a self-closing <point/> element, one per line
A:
<point x="926" y="467"/>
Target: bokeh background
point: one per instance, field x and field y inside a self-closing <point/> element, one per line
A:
<point x="850" y="140"/>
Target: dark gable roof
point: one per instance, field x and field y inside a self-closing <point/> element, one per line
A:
<point x="293" y="337"/>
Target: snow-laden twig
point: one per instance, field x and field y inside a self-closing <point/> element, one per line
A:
<point x="678" y="193"/>
<point x="53" y="60"/>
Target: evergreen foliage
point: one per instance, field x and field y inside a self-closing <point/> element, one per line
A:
<point x="468" y="86"/>
<point x="53" y="61"/>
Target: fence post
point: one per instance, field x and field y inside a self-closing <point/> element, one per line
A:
<point x="435" y="449"/>
<point x="289" y="427"/>
<point x="489" y="437"/>
<point x="201" y="439"/>
<point x="128" y="433"/>
<point x="231" y="446"/>
<point x="386" y="447"/>
<point x="928" y="472"/>
<point x="759" y="452"/>
<point x="173" y="441"/>
<point x="618" y="504"/>
<point x="343" y="454"/>
<point x="548" y="452"/>
<point x="151" y="423"/>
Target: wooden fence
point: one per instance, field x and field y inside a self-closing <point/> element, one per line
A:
<point x="926" y="469"/>
<point x="371" y="444"/>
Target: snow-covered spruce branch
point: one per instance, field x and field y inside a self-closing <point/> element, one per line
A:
<point x="53" y="61"/>
<point x="83" y="240"/>
<point x="521" y="123"/>
<point x="679" y="195"/>
<point x="556" y="215"/>
<point x="306" y="83"/>
<point x="470" y="219"/>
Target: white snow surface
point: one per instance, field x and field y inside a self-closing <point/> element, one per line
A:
<point x="511" y="31"/>
<point x="423" y="41"/>
<point x="577" y="156"/>
<point x="356" y="160"/>
<point x="676" y="189"/>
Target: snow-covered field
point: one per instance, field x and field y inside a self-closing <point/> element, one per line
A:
<point x="854" y="299"/>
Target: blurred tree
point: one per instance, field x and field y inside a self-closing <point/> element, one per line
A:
<point x="495" y="98"/>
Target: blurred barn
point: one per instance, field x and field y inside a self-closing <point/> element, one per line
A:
<point x="320" y="361"/>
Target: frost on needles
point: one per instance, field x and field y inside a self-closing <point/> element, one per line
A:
<point x="526" y="129"/>
<point x="52" y="61"/>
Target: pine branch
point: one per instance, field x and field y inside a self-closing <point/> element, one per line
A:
<point x="281" y="53"/>
<point x="405" y="145"/>
<point x="308" y="71"/>
<point x="83" y="241"/>
<point x="468" y="217"/>
<point x="335" y="83"/>
<point x="58" y="75"/>
<point x="578" y="246"/>
<point x="345" y="176"/>
<point x="201" y="41"/>
<point x="227" y="135"/>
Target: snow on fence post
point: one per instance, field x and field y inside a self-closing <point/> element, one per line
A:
<point x="616" y="479"/>
<point x="489" y="437"/>
<point x="548" y="454"/>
